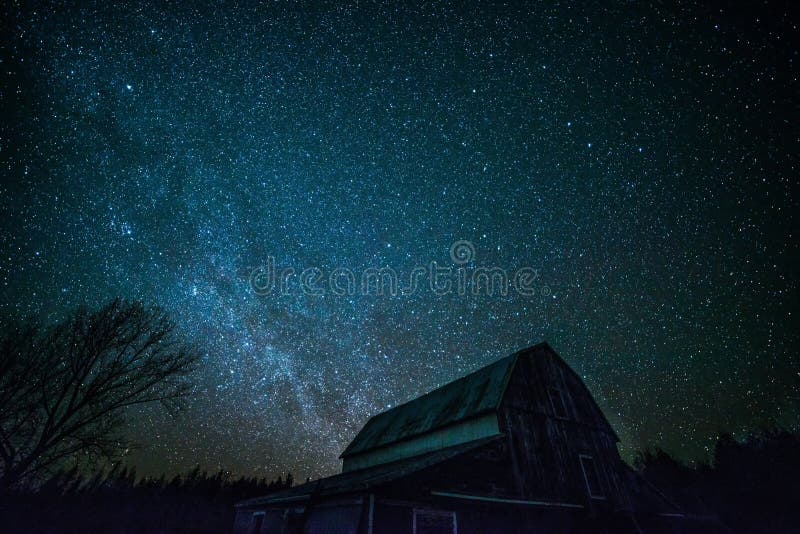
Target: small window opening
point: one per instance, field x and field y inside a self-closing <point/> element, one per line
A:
<point x="591" y="476"/>
<point x="257" y="523"/>
<point x="558" y="402"/>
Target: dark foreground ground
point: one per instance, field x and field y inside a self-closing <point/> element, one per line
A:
<point x="118" y="503"/>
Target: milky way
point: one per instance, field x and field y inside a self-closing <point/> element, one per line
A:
<point x="640" y="161"/>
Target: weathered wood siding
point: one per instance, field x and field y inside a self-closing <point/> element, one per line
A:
<point x="485" y="471"/>
<point x="397" y="518"/>
<point x="545" y="448"/>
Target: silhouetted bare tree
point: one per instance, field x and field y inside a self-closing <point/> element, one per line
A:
<point x="64" y="388"/>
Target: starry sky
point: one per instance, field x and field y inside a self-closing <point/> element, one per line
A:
<point x="641" y="159"/>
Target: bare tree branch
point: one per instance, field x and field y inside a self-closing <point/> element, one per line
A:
<point x="64" y="388"/>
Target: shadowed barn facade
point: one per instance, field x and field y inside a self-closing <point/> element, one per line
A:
<point x="517" y="446"/>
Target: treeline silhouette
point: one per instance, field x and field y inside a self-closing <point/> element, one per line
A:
<point x="117" y="501"/>
<point x="751" y="484"/>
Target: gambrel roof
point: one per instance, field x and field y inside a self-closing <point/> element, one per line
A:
<point x="477" y="393"/>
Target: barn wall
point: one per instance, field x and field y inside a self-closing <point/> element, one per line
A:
<point x="241" y="521"/>
<point x="545" y="448"/>
<point x="516" y="520"/>
<point x="484" y="471"/>
<point x="391" y="519"/>
<point x="396" y="517"/>
<point x="334" y="518"/>
<point x="277" y="520"/>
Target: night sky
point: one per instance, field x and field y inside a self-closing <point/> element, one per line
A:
<point x="641" y="161"/>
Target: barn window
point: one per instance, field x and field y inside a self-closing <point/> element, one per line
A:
<point x="257" y="523"/>
<point x="435" y="522"/>
<point x="558" y="402"/>
<point x="591" y="476"/>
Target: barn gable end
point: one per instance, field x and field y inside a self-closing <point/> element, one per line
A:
<point x="560" y="444"/>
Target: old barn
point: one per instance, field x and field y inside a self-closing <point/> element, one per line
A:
<point x="517" y="446"/>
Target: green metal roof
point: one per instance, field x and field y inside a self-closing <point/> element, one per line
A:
<point x="467" y="397"/>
